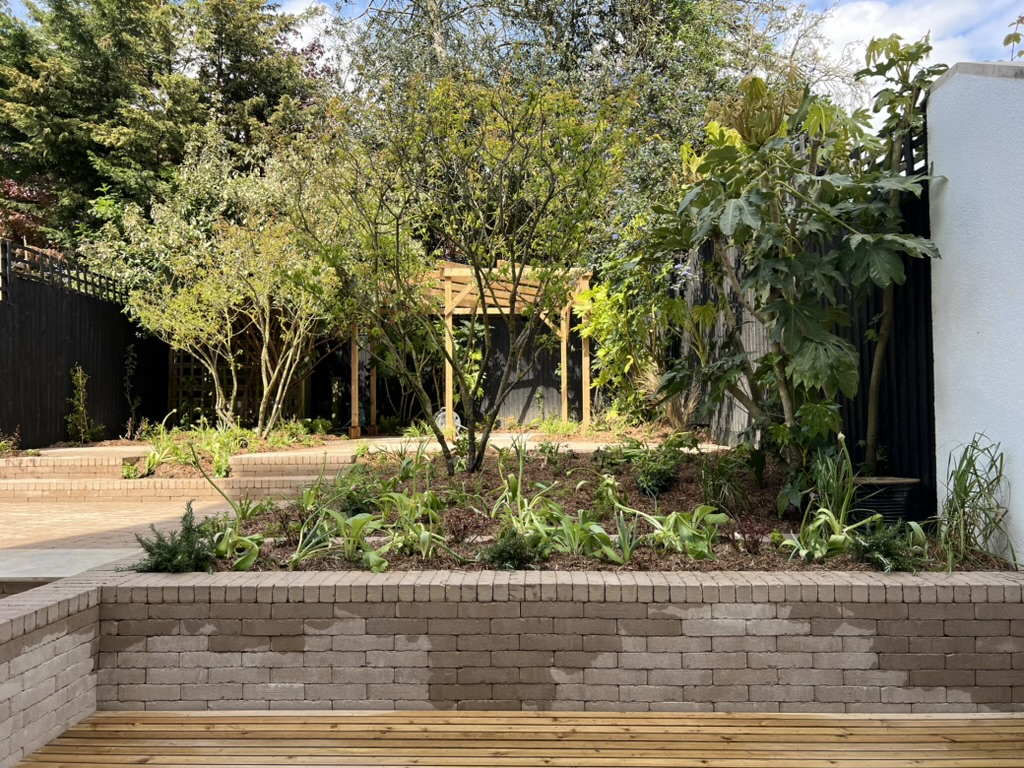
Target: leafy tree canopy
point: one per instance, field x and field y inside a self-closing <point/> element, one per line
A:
<point x="102" y="96"/>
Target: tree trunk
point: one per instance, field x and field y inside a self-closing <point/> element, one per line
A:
<point x="875" y="384"/>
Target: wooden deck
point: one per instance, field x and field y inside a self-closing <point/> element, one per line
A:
<point x="494" y="740"/>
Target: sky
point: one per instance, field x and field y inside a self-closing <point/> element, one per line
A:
<point x="961" y="30"/>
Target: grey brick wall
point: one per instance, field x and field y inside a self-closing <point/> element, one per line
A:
<point x="821" y="642"/>
<point x="824" y="642"/>
<point x="49" y="642"/>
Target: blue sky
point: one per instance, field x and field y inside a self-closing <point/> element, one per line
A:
<point x="961" y="30"/>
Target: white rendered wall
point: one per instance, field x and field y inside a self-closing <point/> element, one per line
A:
<point x="976" y="142"/>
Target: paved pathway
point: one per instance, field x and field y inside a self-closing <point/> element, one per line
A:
<point x="86" y="524"/>
<point x="48" y="540"/>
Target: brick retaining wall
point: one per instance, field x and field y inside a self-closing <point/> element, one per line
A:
<point x="49" y="642"/>
<point x="842" y="642"/>
<point x="821" y="642"/>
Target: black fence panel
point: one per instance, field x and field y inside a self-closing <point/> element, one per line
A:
<point x="907" y="403"/>
<point x="537" y="389"/>
<point x="54" y="316"/>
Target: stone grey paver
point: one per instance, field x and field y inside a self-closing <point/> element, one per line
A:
<point x="88" y="524"/>
<point x="47" y="564"/>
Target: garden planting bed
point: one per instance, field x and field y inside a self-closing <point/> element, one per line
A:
<point x="681" y="509"/>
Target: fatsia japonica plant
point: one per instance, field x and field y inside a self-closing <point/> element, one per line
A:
<point x="905" y="78"/>
<point x="787" y="220"/>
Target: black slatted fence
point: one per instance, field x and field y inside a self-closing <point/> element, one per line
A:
<point x="53" y="315"/>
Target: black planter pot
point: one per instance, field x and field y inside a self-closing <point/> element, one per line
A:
<point x="894" y="498"/>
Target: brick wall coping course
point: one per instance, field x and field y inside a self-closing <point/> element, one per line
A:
<point x="49" y="645"/>
<point x="576" y="586"/>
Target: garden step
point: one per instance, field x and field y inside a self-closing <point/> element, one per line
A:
<point x="151" y="489"/>
<point x="61" y="467"/>
<point x="292" y="463"/>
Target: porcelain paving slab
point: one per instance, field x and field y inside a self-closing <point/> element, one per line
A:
<point x="89" y="524"/>
<point x="48" y="564"/>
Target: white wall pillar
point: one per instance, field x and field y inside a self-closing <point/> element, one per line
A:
<point x="976" y="144"/>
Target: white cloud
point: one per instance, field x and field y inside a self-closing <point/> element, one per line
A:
<point x="961" y="30"/>
<point x="316" y="26"/>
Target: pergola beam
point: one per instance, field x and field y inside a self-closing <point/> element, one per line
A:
<point x="461" y="297"/>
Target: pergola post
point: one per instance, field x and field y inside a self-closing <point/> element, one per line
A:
<point x="373" y="389"/>
<point x="585" y="285"/>
<point x="564" y="333"/>
<point x="353" y="429"/>
<point x="449" y="369"/>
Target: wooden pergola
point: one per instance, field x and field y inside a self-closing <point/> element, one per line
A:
<point x="456" y="286"/>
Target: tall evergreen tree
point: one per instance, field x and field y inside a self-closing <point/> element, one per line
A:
<point x="102" y="96"/>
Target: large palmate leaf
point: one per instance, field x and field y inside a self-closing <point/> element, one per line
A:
<point x="798" y="321"/>
<point x="877" y="260"/>
<point x="736" y="212"/>
<point x="829" y="363"/>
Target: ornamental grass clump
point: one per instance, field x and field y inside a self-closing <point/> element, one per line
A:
<point x="973" y="521"/>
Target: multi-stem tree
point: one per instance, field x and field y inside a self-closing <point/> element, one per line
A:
<point x="511" y="179"/>
<point x="216" y="269"/>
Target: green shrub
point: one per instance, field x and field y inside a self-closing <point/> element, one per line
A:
<point x="358" y="490"/>
<point x="901" y="547"/>
<point x="610" y="459"/>
<point x="511" y="552"/>
<point x="318" y="426"/>
<point x="654" y="469"/>
<point x="655" y="472"/>
<point x="186" y="550"/>
<point x="81" y="428"/>
<point x="556" y="427"/>
<point x="9" y="444"/>
<point x="724" y="479"/>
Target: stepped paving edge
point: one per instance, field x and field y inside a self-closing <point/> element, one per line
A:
<point x="759" y="642"/>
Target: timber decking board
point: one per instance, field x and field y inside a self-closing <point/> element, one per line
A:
<point x="531" y="739"/>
